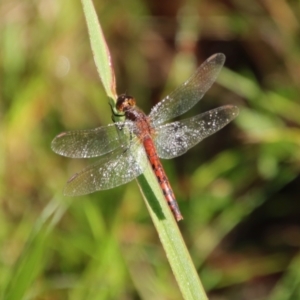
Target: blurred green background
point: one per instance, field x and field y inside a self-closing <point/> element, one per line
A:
<point x="238" y="190"/>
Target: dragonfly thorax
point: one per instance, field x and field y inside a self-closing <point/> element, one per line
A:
<point x="125" y="103"/>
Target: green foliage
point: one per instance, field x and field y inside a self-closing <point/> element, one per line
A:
<point x="237" y="190"/>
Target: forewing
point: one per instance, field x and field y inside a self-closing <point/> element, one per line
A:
<point x="176" y="138"/>
<point x="189" y="93"/>
<point x="110" y="171"/>
<point x="93" y="142"/>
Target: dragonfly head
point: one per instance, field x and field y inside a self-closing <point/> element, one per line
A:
<point x="125" y="102"/>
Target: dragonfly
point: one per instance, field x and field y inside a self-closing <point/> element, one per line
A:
<point x="126" y="147"/>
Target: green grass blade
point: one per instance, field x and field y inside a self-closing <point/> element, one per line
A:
<point x="100" y="50"/>
<point x="163" y="219"/>
<point x="31" y="261"/>
<point x="288" y="286"/>
<point x="170" y="237"/>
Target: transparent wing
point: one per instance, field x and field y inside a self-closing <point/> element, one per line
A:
<point x="93" y="142"/>
<point x="112" y="170"/>
<point x="174" y="139"/>
<point x="189" y="93"/>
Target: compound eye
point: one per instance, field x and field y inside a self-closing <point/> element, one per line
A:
<point x="125" y="102"/>
<point x="131" y="101"/>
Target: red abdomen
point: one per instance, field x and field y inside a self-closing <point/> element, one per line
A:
<point x="161" y="177"/>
